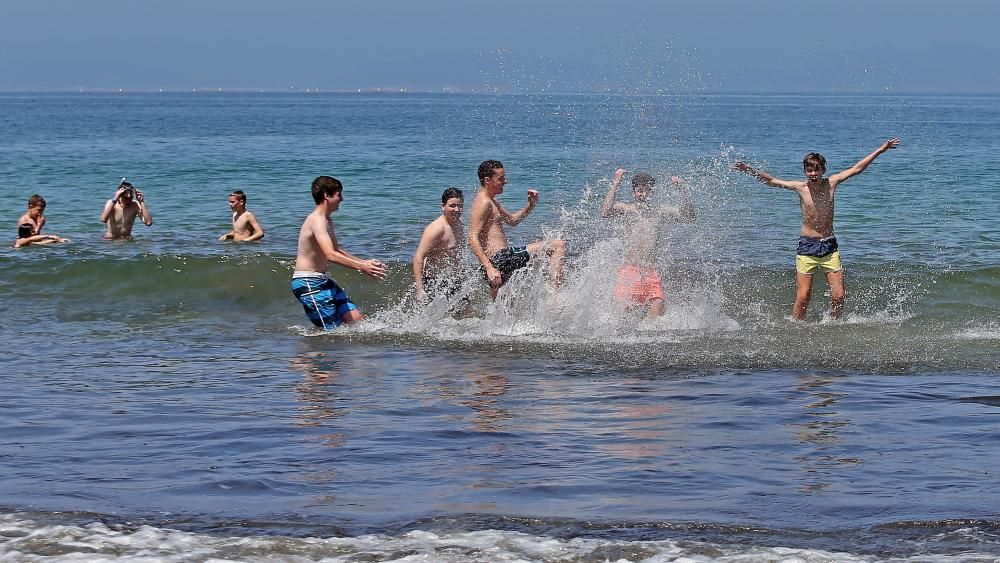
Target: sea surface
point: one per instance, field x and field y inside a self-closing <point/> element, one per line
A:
<point x="165" y="399"/>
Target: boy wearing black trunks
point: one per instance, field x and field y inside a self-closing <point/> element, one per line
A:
<point x="29" y="225"/>
<point x="437" y="263"/>
<point x="817" y="248"/>
<point x="325" y="303"/>
<point x="489" y="241"/>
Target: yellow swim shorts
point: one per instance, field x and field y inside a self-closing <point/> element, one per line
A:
<point x="809" y="264"/>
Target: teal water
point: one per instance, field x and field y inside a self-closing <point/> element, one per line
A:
<point x="166" y="395"/>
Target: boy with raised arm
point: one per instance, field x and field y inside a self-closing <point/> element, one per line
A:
<point x="325" y="303"/>
<point x="488" y="240"/>
<point x="639" y="282"/>
<point x="121" y="210"/>
<point x="29" y="225"/>
<point x="437" y="262"/>
<point x="817" y="248"/>
<point x="245" y="225"/>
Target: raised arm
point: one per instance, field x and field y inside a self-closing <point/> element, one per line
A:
<point x="863" y="163"/>
<point x="766" y="178"/>
<point x="147" y="217"/>
<point x="686" y="213"/>
<point x="513" y="219"/>
<point x="609" y="207"/>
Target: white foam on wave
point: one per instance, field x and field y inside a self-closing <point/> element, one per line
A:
<point x="988" y="332"/>
<point x="26" y="540"/>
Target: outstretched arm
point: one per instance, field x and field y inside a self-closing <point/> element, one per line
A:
<point x="686" y="214"/>
<point x="332" y="251"/>
<point x="608" y="208"/>
<point x="863" y="163"/>
<point x="765" y="178"/>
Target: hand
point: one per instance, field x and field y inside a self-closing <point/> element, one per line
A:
<point x="677" y="180"/>
<point x="421" y="296"/>
<point x="227" y="236"/>
<point x="373" y="268"/>
<point x="619" y="174"/>
<point x="532" y="197"/>
<point x="496" y="279"/>
<point x="118" y="193"/>
<point x="742" y="166"/>
<point x="39" y="223"/>
<point x="138" y="196"/>
<point x="890" y="144"/>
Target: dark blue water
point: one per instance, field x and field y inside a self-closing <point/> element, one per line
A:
<point x="164" y="398"/>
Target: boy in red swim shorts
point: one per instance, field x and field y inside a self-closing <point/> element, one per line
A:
<point x="639" y="283"/>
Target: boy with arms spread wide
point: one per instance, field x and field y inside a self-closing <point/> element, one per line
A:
<point x="817" y="249"/>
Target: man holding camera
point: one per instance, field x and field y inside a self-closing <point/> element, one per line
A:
<point x="120" y="211"/>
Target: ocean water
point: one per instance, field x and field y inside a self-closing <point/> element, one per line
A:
<point x="165" y="399"/>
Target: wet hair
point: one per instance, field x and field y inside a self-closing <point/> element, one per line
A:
<point x="324" y="186"/>
<point x="36" y="201"/>
<point x="26" y="230"/>
<point x="814" y="158"/>
<point x="486" y="169"/>
<point x="238" y="194"/>
<point x="450" y="193"/>
<point x="643" y="179"/>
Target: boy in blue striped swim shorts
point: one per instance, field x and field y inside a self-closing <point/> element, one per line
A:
<point x="325" y="303"/>
<point x="817" y="249"/>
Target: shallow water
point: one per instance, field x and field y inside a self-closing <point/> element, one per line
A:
<point x="164" y="399"/>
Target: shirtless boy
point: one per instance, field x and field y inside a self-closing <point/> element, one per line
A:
<point x="437" y="261"/>
<point x="638" y="281"/>
<point x="489" y="241"/>
<point x="245" y="225"/>
<point x="29" y="225"/>
<point x="121" y="210"/>
<point x="817" y="250"/>
<point x="325" y="303"/>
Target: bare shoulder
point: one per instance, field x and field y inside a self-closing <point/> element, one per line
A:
<point x="482" y="206"/>
<point x="435" y="228"/>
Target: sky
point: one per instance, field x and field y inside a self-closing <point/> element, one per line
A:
<point x="624" y="46"/>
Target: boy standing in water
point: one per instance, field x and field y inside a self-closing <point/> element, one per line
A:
<point x="245" y="225"/>
<point x="638" y="280"/>
<point x="817" y="249"/>
<point x="488" y="240"/>
<point x="121" y="210"/>
<point x="325" y="303"/>
<point x="437" y="261"/>
<point x="29" y="225"/>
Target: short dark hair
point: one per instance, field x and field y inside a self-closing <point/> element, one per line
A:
<point x="450" y="193"/>
<point x="486" y="169"/>
<point x="239" y="195"/>
<point x="36" y="201"/>
<point x="643" y="179"/>
<point x="814" y="158"/>
<point x="324" y="186"/>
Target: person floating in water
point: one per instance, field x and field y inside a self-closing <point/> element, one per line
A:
<point x="325" y="303"/>
<point x="245" y="225"/>
<point x="121" y="210"/>
<point x="817" y="249"/>
<point x="488" y="240"/>
<point x="29" y="225"/>
<point x="437" y="263"/>
<point x="639" y="283"/>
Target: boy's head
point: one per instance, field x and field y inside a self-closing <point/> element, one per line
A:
<point x="642" y="186"/>
<point x="324" y="187"/>
<point x="36" y="205"/>
<point x="237" y="199"/>
<point x="452" y="204"/>
<point x="491" y="175"/>
<point x="814" y="165"/>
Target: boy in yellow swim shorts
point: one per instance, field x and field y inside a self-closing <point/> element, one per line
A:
<point x="818" y="249"/>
